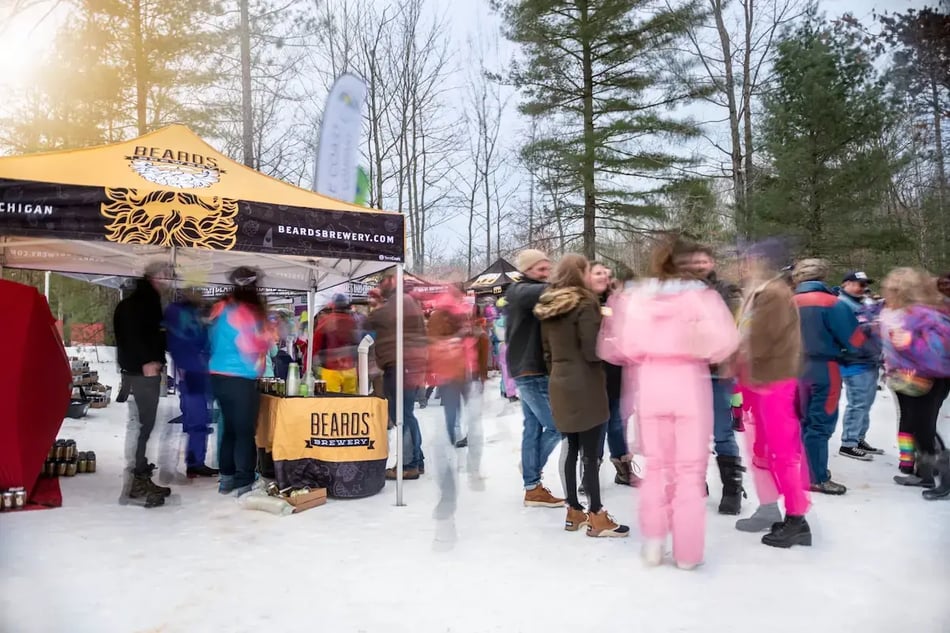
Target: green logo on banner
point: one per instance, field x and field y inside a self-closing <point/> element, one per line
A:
<point x="362" y="187"/>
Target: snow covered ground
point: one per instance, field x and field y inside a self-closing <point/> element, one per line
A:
<point x="205" y="564"/>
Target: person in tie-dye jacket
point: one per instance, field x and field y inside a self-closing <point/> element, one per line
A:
<point x="915" y="333"/>
<point x="240" y="338"/>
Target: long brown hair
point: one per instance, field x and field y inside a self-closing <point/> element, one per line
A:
<point x="571" y="272"/>
<point x="667" y="259"/>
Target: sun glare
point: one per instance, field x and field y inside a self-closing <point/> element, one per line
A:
<point x="24" y="40"/>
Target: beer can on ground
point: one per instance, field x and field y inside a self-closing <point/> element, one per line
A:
<point x="60" y="469"/>
<point x="70" y="449"/>
<point x="6" y="501"/>
<point x="60" y="449"/>
<point x="19" y="498"/>
<point x="90" y="462"/>
<point x="71" y="468"/>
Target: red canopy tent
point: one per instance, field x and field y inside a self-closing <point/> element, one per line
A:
<point x="35" y="388"/>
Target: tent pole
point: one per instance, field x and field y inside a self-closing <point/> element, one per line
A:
<point x="311" y="319"/>
<point x="400" y="380"/>
<point x="46" y="286"/>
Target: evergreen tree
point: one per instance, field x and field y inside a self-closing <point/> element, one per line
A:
<point x="824" y="122"/>
<point x="596" y="70"/>
<point x="920" y="73"/>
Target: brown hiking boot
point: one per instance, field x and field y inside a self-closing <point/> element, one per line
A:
<point x="602" y="524"/>
<point x="576" y="519"/>
<point x="541" y="497"/>
<point x="407" y="473"/>
<point x="627" y="470"/>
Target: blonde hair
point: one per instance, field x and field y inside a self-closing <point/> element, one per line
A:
<point x="908" y="286"/>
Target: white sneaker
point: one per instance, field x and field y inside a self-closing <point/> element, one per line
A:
<point x="688" y="566"/>
<point x="652" y="552"/>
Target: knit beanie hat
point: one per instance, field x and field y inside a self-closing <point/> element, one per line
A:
<point x="529" y="258"/>
<point x="810" y="270"/>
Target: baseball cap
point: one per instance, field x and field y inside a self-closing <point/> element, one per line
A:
<point x="859" y="276"/>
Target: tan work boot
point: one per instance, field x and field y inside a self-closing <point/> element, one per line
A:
<point x="602" y="524"/>
<point x="541" y="497"/>
<point x="576" y="519"/>
<point x="407" y="473"/>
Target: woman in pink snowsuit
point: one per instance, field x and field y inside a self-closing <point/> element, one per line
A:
<point x="667" y="332"/>
<point x="769" y="364"/>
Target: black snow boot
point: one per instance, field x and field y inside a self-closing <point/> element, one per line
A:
<point x="793" y="530"/>
<point x="942" y="491"/>
<point x="730" y="470"/>
<point x="924" y="477"/>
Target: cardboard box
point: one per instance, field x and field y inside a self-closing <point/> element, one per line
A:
<point x="316" y="497"/>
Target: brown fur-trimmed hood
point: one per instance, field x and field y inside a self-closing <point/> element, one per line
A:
<point x="558" y="302"/>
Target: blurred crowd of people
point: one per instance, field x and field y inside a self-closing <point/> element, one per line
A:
<point x="603" y="364"/>
<point x="687" y="358"/>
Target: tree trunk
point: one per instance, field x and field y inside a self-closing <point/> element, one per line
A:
<point x="247" y="106"/>
<point x="747" y="114"/>
<point x="471" y="228"/>
<point x="141" y="85"/>
<point x="531" y="209"/>
<point x="738" y="178"/>
<point x="587" y="166"/>
<point x="943" y="218"/>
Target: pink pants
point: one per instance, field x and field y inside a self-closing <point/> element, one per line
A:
<point x="675" y="422"/>
<point x="776" y="445"/>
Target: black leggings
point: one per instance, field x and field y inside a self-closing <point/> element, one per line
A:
<point x="919" y="415"/>
<point x="587" y="442"/>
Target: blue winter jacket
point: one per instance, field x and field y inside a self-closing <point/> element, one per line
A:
<point x="869" y="354"/>
<point x="187" y="336"/>
<point x="829" y="327"/>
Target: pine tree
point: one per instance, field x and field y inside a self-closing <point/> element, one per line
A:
<point x="920" y="72"/>
<point x="595" y="70"/>
<point x="824" y="122"/>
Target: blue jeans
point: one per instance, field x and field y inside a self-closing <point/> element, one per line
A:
<point x="613" y="433"/>
<point x="540" y="436"/>
<point x="723" y="434"/>
<point x="452" y="395"/>
<point x="412" y="435"/>
<point x="862" y="390"/>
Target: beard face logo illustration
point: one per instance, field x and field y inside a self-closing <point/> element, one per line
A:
<point x="175" y="174"/>
<point x="170" y="218"/>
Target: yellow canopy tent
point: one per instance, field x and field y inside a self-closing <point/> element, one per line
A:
<point x="109" y="210"/>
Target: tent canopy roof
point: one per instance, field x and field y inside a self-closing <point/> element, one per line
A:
<point x="174" y="156"/>
<point x="110" y="210"/>
<point x="500" y="273"/>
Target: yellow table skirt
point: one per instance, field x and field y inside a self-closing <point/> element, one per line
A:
<point x="326" y="428"/>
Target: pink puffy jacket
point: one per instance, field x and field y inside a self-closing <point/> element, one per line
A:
<point x="672" y="322"/>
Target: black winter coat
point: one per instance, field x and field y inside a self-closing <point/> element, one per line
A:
<point x="139" y="335"/>
<point x="523" y="330"/>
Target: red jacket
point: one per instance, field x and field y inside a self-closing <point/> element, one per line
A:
<point x="334" y="339"/>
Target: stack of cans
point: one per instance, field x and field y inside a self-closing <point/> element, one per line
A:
<point x="13" y="499"/>
<point x="64" y="460"/>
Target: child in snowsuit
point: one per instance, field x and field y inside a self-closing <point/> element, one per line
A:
<point x="669" y="329"/>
